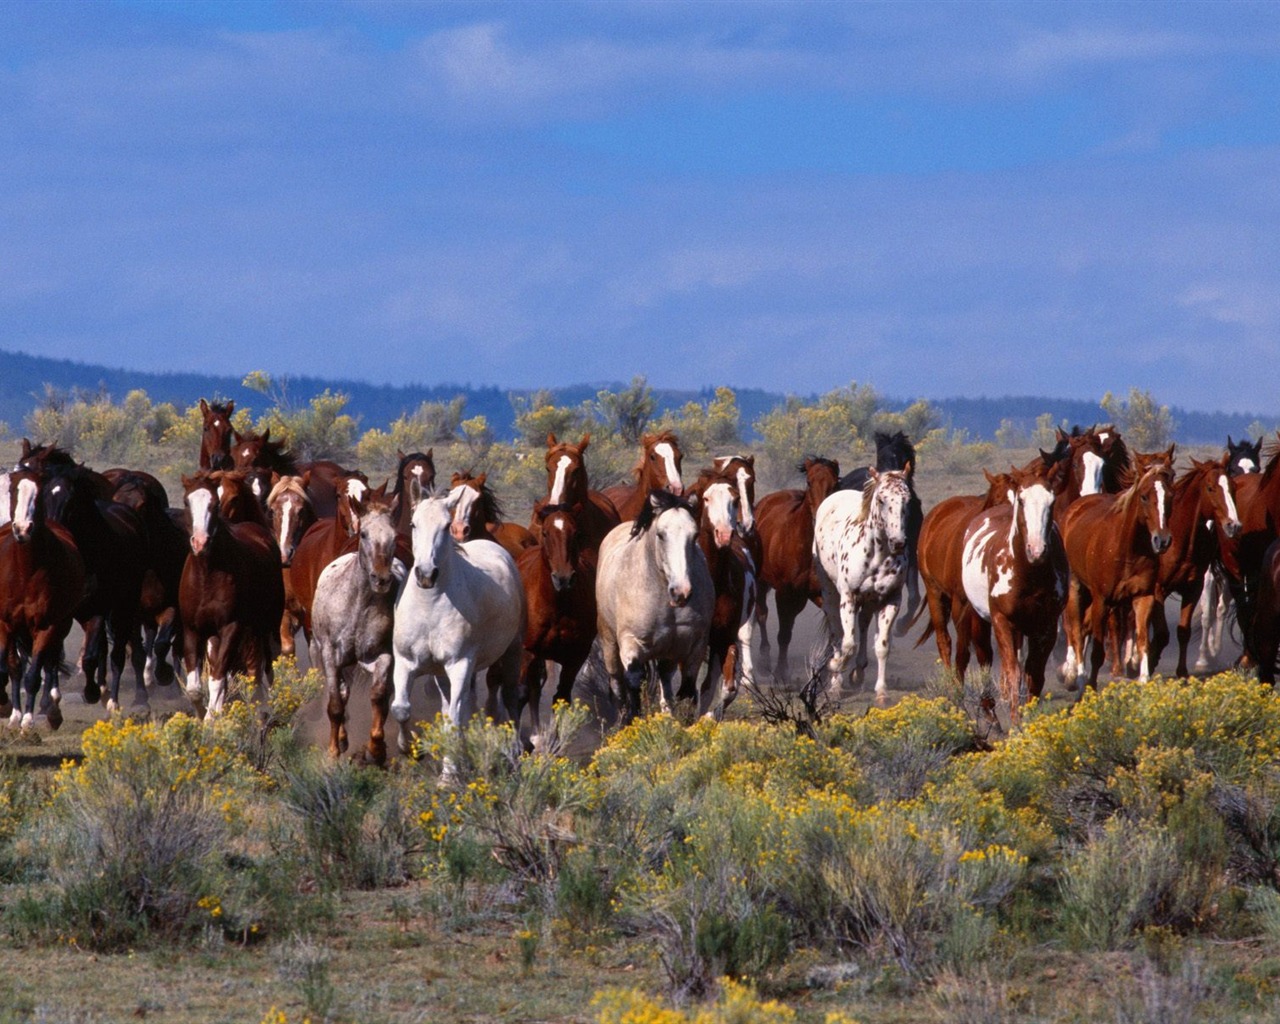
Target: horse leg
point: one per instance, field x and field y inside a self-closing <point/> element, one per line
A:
<point x="790" y="604"/>
<point x="939" y="604"/>
<point x="193" y="652"/>
<point x="1098" y="616"/>
<point x="8" y="708"/>
<point x="746" y="637"/>
<point x="89" y="657"/>
<point x="717" y="657"/>
<point x="329" y="663"/>
<point x="1007" y="644"/>
<point x="884" y="632"/>
<point x="762" y="620"/>
<point x="221" y="651"/>
<point x="379" y="671"/>
<point x="402" y="675"/>
<point x="1185" y="613"/>
<point x="1039" y="650"/>
<point x="1144" y="609"/>
<point x="1073" y="619"/>
<point x="1159" y="635"/>
<point x="533" y="677"/>
<point x="503" y="679"/>
<point x="666" y="676"/>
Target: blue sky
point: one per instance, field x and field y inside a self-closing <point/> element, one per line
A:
<point x="934" y="199"/>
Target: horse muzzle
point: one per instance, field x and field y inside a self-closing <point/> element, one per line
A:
<point x="460" y="531"/>
<point x="1232" y="527"/>
<point x="198" y="543"/>
<point x="679" y="596"/>
<point x="426" y="580"/>
<point x="560" y="582"/>
<point x="1160" y="541"/>
<point x="723" y="537"/>
<point x="380" y="584"/>
<point x="22" y="533"/>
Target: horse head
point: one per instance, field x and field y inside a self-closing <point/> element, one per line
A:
<point x="375" y="515"/>
<point x="217" y="435"/>
<point x="822" y="478"/>
<point x="201" y="500"/>
<point x="884" y="507"/>
<point x="566" y="470"/>
<point x="1087" y="464"/>
<point x="24" y="503"/>
<point x="1031" y="494"/>
<point x="895" y="451"/>
<point x="291" y="513"/>
<point x="741" y="469"/>
<point x="670" y="522"/>
<point x="660" y="463"/>
<point x="720" y="510"/>
<point x="559" y="543"/>
<point x="1153" y="487"/>
<point x="432" y="540"/>
<point x="475" y="505"/>
<point x="416" y="469"/>
<point x="1243" y="456"/>
<point x="1217" y="492"/>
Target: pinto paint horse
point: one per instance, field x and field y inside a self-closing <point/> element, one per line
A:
<point x="560" y="595"/>
<point x="478" y="515"/>
<point x="860" y="560"/>
<point x="462" y="611"/>
<point x="352" y="619"/>
<point x="654" y="599"/>
<point x="1113" y="543"/>
<point x="568" y="485"/>
<point x="42" y="581"/>
<point x="231" y="596"/>
<point x="217" y="435"/>
<point x="1015" y="578"/>
<point x="658" y="469"/>
<point x="784" y="520"/>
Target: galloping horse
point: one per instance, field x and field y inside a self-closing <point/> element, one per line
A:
<point x="42" y="580"/>
<point x="461" y="611"/>
<point x="217" y="436"/>
<point x="419" y="466"/>
<point x="860" y="560"/>
<point x="1113" y="544"/>
<point x="560" y="595"/>
<point x="1015" y="578"/>
<point x="263" y="460"/>
<point x="1202" y="496"/>
<point x="321" y="544"/>
<point x="292" y="515"/>
<point x="658" y="469"/>
<point x="784" y="520"/>
<point x="654" y="600"/>
<point x="477" y="515"/>
<point x="352" y="618"/>
<point x="895" y="451"/>
<point x="567" y="485"/>
<point x="733" y="577"/>
<point x="231" y="597"/>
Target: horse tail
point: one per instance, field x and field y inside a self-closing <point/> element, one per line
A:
<point x="910" y="623"/>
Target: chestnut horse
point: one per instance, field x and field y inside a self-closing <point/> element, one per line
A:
<point x="42" y="580"/>
<point x="231" y="596"/>
<point x="784" y="520"/>
<point x="292" y="515"/>
<point x="560" y="597"/>
<point x="352" y="618"/>
<point x="477" y="515"/>
<point x="263" y="460"/>
<point x="567" y="485"/>
<point x="1113" y="544"/>
<point x="217" y="436"/>
<point x="658" y="470"/>
<point x="1015" y="578"/>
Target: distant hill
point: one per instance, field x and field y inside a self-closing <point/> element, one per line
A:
<point x="24" y="378"/>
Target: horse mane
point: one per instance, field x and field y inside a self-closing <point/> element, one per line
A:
<point x="1130" y="480"/>
<point x="831" y="464"/>
<point x="48" y="455"/>
<point x="868" y="493"/>
<point x="288" y="484"/>
<point x="1271" y="452"/>
<point x="273" y="454"/>
<point x="893" y="448"/>
<point x="490" y="507"/>
<point x="659" y="501"/>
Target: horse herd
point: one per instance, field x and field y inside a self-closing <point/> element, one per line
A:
<point x="408" y="580"/>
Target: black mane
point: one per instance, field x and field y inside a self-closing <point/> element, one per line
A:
<point x="659" y="501"/>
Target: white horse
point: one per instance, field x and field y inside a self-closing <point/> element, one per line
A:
<point x="461" y="611"/>
<point x="352" y="619"/>
<point x="860" y="558"/>
<point x="654" y="600"/>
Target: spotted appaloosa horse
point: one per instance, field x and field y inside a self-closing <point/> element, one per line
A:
<point x="217" y="436"/>
<point x="860" y="560"/>
<point x="1113" y="543"/>
<point x="352" y="618"/>
<point x="1015" y="578"/>
<point x="42" y="580"/>
<point x="658" y="469"/>
<point x="784" y="520"/>
<point x="654" y="601"/>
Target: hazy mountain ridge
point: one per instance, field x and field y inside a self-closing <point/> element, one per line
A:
<point x="24" y="378"/>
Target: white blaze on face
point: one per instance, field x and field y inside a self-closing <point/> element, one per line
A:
<point x="1245" y="466"/>
<point x="6" y="513"/>
<point x="200" y="502"/>
<point x="1093" y="466"/>
<point x="668" y="456"/>
<point x="462" y="499"/>
<point x="722" y="511"/>
<point x="247" y="453"/>
<point x="24" y="509"/>
<point x="1232" y="515"/>
<point x="356" y="488"/>
<point x="1037" y="510"/>
<point x="286" y="525"/>
<point x="557" y="485"/>
<point x="1160" y="506"/>
<point x="676" y="533"/>
<point x="744" y="503"/>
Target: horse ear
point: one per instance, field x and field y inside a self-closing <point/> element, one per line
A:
<point x="306" y="480"/>
<point x="750" y="460"/>
<point x="909" y="468"/>
<point x="415" y="491"/>
<point x="551" y="439"/>
<point x="26" y="447"/>
<point x="695" y="502"/>
<point x="987" y="473"/>
<point x="481" y="479"/>
<point x="586" y="440"/>
<point x="430" y="453"/>
<point x="231" y="407"/>
<point x="204" y="407"/>
<point x="399" y="455"/>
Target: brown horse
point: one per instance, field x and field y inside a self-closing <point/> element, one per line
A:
<point x="42" y="580"/>
<point x="560" y="598"/>
<point x="567" y="484"/>
<point x="1113" y="544"/>
<point x="217" y="436"/>
<point x="784" y="520"/>
<point x="231" y="596"/>
<point x="418" y="466"/>
<point x="1015" y="578"/>
<point x="658" y="469"/>
<point x="292" y="514"/>
<point x="1242" y="557"/>
<point x="740" y="471"/>
<point x="477" y="515"/>
<point x="1202" y="496"/>
<point x="324" y="541"/>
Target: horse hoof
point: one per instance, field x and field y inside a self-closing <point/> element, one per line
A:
<point x="54" y="716"/>
<point x="165" y="674"/>
<point x="15" y="719"/>
<point x="882" y="698"/>
<point x="92" y="693"/>
<point x="112" y="706"/>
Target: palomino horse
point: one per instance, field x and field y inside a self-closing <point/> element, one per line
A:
<point x="292" y="515"/>
<point x="560" y="595"/>
<point x="352" y="618"/>
<point x="733" y="577"/>
<point x="1202" y="496"/>
<point x="860" y="559"/>
<point x="895" y="451"/>
<point x="784" y="520"/>
<point x="654" y="599"/>
<point x="460" y="612"/>
<point x="1243" y="457"/>
<point x="1015" y="578"/>
<point x="658" y="469"/>
<point x="42" y="579"/>
<point x="567" y="485"/>
<point x="231" y="596"/>
<point x="477" y="515"/>
<point x="1113" y="544"/>
<point x="418" y="466"/>
<point x="217" y="436"/>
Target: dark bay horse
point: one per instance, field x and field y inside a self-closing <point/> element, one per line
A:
<point x="1015" y="579"/>
<point x="1113" y="544"/>
<point x="784" y="520"/>
<point x="231" y="597"/>
<point x="560" y="598"/>
<point x="217" y="436"/>
<point x="658" y="469"/>
<point x="416" y="466"/>
<point x="42" y="581"/>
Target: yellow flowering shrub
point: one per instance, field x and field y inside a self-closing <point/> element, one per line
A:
<point x="737" y="1004"/>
